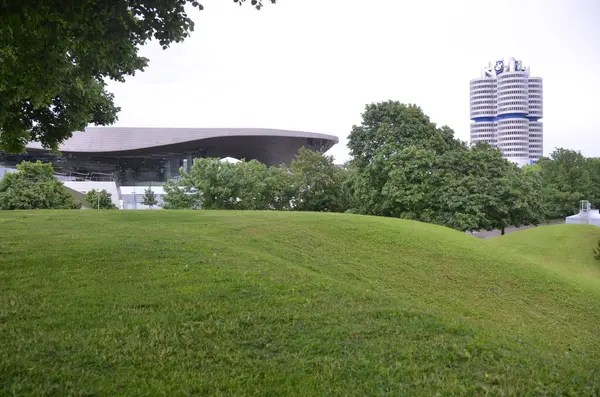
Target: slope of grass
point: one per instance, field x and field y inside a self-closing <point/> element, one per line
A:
<point x="277" y="304"/>
<point x="564" y="249"/>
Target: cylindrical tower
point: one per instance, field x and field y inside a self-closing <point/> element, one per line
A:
<point x="513" y="139"/>
<point x="484" y="131"/>
<point x="536" y="112"/>
<point x="513" y="94"/>
<point x="483" y="98"/>
<point x="535" y="95"/>
<point x="506" y="105"/>
<point x="483" y="110"/>
<point x="536" y="140"/>
<point x="513" y="107"/>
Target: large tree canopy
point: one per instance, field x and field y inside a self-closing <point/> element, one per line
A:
<point x="394" y="150"/>
<point x="405" y="166"/>
<point x="55" y="56"/>
<point x="567" y="177"/>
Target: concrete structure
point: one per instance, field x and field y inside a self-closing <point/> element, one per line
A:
<point x="506" y="108"/>
<point x="132" y="197"/>
<point x="139" y="156"/>
<point x="83" y="187"/>
<point x="125" y="161"/>
<point x="586" y="215"/>
<point x="6" y="170"/>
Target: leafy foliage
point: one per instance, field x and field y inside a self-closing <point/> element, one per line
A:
<point x="225" y="185"/>
<point x="394" y="151"/>
<point x="56" y="56"/>
<point x="403" y="166"/>
<point x="149" y="198"/>
<point x="34" y="186"/>
<point x="317" y="182"/>
<point x="568" y="177"/>
<point x="99" y="200"/>
<point x="310" y="183"/>
<point x="407" y="167"/>
<point x="180" y="197"/>
<point x="482" y="190"/>
<point x="280" y="190"/>
<point x="593" y="168"/>
<point x="258" y="4"/>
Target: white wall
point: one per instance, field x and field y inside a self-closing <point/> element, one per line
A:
<point x="5" y="170"/>
<point x="84" y="187"/>
<point x="133" y="196"/>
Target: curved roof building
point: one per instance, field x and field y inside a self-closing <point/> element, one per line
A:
<point x="140" y="155"/>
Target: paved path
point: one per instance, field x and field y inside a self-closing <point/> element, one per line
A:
<point x="495" y="233"/>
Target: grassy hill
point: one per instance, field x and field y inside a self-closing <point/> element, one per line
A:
<point x="282" y="304"/>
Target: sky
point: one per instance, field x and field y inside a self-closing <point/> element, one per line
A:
<point x="313" y="65"/>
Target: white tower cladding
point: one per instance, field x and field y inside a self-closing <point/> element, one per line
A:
<point x="506" y="106"/>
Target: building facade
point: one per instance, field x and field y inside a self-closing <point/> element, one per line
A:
<point x="126" y="161"/>
<point x="139" y="156"/>
<point x="506" y="109"/>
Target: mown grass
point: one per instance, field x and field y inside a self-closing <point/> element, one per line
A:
<point x="171" y="303"/>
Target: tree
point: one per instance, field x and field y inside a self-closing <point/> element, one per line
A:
<point x="317" y="182"/>
<point x="310" y="183"/>
<point x="279" y="190"/>
<point x="149" y="197"/>
<point x="225" y="185"/>
<point x="346" y="180"/>
<point x="181" y="197"/>
<point x="34" y="186"/>
<point x="529" y="207"/>
<point x="388" y="127"/>
<point x="391" y="137"/>
<point x="478" y="189"/>
<point x="593" y="168"/>
<point x="406" y="167"/>
<point x="463" y="183"/>
<point x="248" y="185"/>
<point x="407" y="190"/>
<point x="99" y="200"/>
<point x="56" y="56"/>
<point x="566" y="180"/>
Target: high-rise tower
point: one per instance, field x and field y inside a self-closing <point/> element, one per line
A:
<point x="506" y="108"/>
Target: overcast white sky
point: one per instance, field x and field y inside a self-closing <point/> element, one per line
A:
<point x="312" y="65"/>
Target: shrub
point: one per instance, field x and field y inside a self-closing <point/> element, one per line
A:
<point x="99" y="200"/>
<point x="32" y="187"/>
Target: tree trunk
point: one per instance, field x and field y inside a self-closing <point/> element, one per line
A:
<point x="502" y="232"/>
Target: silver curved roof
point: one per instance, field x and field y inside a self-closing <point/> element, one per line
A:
<point x="118" y="139"/>
<point x="266" y="145"/>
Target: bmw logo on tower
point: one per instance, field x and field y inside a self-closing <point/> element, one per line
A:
<point x="499" y="67"/>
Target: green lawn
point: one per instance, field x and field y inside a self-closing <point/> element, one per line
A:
<point x="168" y="303"/>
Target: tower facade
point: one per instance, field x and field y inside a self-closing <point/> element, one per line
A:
<point x="506" y="108"/>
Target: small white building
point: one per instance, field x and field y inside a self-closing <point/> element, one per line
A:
<point x="586" y="215"/>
